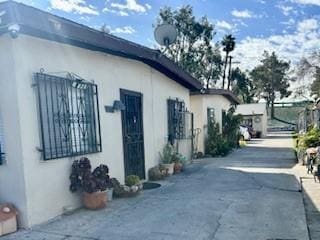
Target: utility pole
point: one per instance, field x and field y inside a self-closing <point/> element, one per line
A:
<point x="229" y="73"/>
<point x="224" y="69"/>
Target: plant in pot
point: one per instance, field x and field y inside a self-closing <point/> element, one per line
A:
<point x="92" y="184"/>
<point x="131" y="188"/>
<point x="133" y="181"/>
<point x="179" y="160"/>
<point x="166" y="158"/>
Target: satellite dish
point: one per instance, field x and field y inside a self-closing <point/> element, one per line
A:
<point x="165" y="34"/>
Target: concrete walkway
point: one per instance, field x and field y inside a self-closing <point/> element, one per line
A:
<point x="252" y="194"/>
<point x="311" y="197"/>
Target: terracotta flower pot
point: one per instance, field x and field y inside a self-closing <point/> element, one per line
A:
<point x="177" y="167"/>
<point x="96" y="200"/>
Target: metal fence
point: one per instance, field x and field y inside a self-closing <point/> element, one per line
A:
<point x="69" y="116"/>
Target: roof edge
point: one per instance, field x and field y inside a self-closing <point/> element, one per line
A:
<point x="216" y="91"/>
<point x="41" y="24"/>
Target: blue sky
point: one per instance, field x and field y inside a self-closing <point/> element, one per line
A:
<point x="289" y="27"/>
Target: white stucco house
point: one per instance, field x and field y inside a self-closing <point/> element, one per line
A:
<point x="207" y="105"/>
<point x="67" y="91"/>
<point x="255" y="115"/>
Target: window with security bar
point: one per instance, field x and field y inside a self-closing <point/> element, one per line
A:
<point x="176" y="120"/>
<point x="69" y="116"/>
<point x="210" y="115"/>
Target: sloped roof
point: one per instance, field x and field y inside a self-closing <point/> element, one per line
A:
<point x="41" y="24"/>
<point x="251" y="109"/>
<point x="226" y="93"/>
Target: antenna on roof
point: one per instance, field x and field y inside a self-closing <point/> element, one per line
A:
<point x="165" y="34"/>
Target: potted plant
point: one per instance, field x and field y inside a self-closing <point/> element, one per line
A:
<point x="92" y="184"/>
<point x="179" y="160"/>
<point x="167" y="158"/>
<point x="132" y="187"/>
<point x="133" y="181"/>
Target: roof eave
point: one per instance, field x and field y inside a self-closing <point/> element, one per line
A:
<point x="39" y="26"/>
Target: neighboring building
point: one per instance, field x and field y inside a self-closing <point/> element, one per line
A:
<point x="206" y="106"/>
<point x="255" y="115"/>
<point x="68" y="91"/>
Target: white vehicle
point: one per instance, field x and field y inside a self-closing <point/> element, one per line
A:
<point x="245" y="133"/>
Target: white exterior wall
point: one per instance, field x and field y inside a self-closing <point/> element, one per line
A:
<point x="199" y="106"/>
<point x="47" y="182"/>
<point x="12" y="178"/>
<point x="250" y="111"/>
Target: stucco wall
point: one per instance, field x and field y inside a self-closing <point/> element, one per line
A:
<point x="47" y="181"/>
<point x="12" y="184"/>
<point x="199" y="106"/>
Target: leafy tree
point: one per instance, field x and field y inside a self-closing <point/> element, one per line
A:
<point x="193" y="50"/>
<point x="311" y="67"/>
<point x="242" y="86"/>
<point x="228" y="44"/>
<point x="270" y="79"/>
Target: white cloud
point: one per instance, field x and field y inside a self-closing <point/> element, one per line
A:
<point x="308" y="2"/>
<point x="120" y="13"/>
<point x="287" y="46"/>
<point x="75" y="6"/>
<point x="123" y="30"/>
<point x="290" y="22"/>
<point x="308" y="25"/>
<point x="224" y="25"/>
<point x="286" y="10"/>
<point x="242" y="14"/>
<point x="131" y="5"/>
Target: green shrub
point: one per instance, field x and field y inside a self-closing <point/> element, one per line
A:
<point x="218" y="144"/>
<point x="132" y="180"/>
<point x="167" y="155"/>
<point x="310" y="139"/>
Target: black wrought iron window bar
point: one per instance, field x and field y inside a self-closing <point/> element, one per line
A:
<point x="69" y="116"/>
<point x="210" y="115"/>
<point x="176" y="120"/>
<point x="1" y="153"/>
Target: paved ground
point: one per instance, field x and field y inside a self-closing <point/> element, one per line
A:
<point x="250" y="195"/>
<point x="311" y="196"/>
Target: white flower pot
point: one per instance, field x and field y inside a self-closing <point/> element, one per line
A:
<point x="169" y="167"/>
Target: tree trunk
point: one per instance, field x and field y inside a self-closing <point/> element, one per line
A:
<point x="272" y="106"/>
<point x="224" y="70"/>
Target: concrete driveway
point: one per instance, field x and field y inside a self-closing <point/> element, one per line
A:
<point x="250" y="195"/>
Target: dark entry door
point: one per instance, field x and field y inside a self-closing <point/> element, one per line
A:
<point x="132" y="130"/>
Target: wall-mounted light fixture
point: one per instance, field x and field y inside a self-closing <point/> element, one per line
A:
<point x="117" y="106"/>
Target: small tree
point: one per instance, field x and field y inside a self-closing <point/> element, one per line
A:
<point x="311" y="67"/>
<point x="270" y="78"/>
<point x="218" y="143"/>
<point x="242" y="86"/>
<point x="230" y="128"/>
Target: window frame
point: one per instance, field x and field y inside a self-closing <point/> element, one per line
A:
<point x="176" y="119"/>
<point x="67" y="124"/>
<point x="211" y="115"/>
